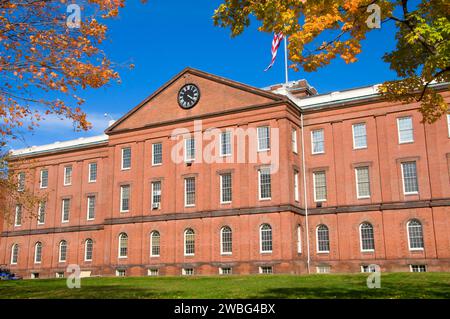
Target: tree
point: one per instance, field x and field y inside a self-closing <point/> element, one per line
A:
<point x="421" y="58"/>
<point x="47" y="53"/>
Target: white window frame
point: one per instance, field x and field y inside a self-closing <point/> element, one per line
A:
<point x="62" y="210"/>
<point x="153" y="154"/>
<point x="361" y="239"/>
<point x="222" y="272"/>
<point x="354" y="140"/>
<point x="412" y="266"/>
<point x="261" y="251"/>
<point x="312" y="141"/>
<point x="258" y="138"/>
<point x="14" y="255"/>
<point x="153" y="272"/>
<point x="259" y="184"/>
<point x="296" y="188"/>
<point x="89" y="197"/>
<point x="40" y="212"/>
<point x="261" y="270"/>
<point x="185" y="271"/>
<point x="323" y="269"/>
<point x="119" y="246"/>
<point x="188" y="159"/>
<point x="90" y="170"/>
<point x="409" y="236"/>
<point x="299" y="239"/>
<point x="358" y="196"/>
<point x="41" y="178"/>
<point x="184" y="242"/>
<point x="151" y="244"/>
<point x="317" y="240"/>
<point x="153" y="193"/>
<point x="403" y="179"/>
<point x="398" y="130"/>
<point x="121" y="198"/>
<point x="21" y="177"/>
<point x="85" y="249"/>
<point x="59" y="251"/>
<point x="221" y="188"/>
<point x="221" y="144"/>
<point x="121" y="272"/>
<point x="35" y="252"/>
<point x="185" y="192"/>
<point x="226" y="253"/>
<point x="18" y="221"/>
<point x="68" y="178"/>
<point x="320" y="200"/>
<point x="122" y="159"/>
<point x="294" y="140"/>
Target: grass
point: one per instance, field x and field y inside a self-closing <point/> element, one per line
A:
<point x="393" y="285"/>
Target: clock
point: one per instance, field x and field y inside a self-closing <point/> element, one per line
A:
<point x="188" y="96"/>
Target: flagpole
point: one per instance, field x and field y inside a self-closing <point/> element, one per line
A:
<point x="286" y="59"/>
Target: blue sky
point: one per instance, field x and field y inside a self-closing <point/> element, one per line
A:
<point x="163" y="37"/>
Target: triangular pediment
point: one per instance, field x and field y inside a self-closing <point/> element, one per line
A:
<point x="216" y="95"/>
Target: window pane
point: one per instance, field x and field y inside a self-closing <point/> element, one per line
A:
<point x="363" y="182"/>
<point x="63" y="251"/>
<point x="126" y="157"/>
<point x="189" y="149"/>
<point x="226" y="190"/>
<point x="266" y="238"/>
<point x="125" y="198"/>
<point x="65" y="209"/>
<point x="410" y="177"/>
<point x="323" y="240"/>
<point x="67" y="175"/>
<point x="18" y="216"/>
<point x="21" y="181"/>
<point x="41" y="212"/>
<point x="44" y="178"/>
<point x="155" y="244"/>
<point x="92" y="172"/>
<point x="189" y="242"/>
<point x="91" y="207"/>
<point x="367" y="237"/>
<point x="225" y="143"/>
<point x="123" y="245"/>
<point x="156" y="193"/>
<point x="405" y="130"/>
<point x="227" y="240"/>
<point x="294" y="140"/>
<point x="189" y="191"/>
<point x="265" y="186"/>
<point x="157" y="153"/>
<point x="263" y="138"/>
<point x="38" y="253"/>
<point x="415" y="233"/>
<point x="89" y="245"/>
<point x="359" y="135"/>
<point x="320" y="186"/>
<point x="318" y="145"/>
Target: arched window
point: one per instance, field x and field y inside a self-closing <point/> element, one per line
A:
<point x="38" y="253"/>
<point x="155" y="247"/>
<point x="226" y="241"/>
<point x="14" y="254"/>
<point x="62" y="251"/>
<point x="189" y="242"/>
<point x="88" y="249"/>
<point x="123" y="245"/>
<point x="265" y="238"/>
<point x="323" y="239"/>
<point x="415" y="235"/>
<point x="299" y="239"/>
<point x="367" y="237"/>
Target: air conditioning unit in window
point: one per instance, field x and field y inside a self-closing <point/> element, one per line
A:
<point x="155" y="205"/>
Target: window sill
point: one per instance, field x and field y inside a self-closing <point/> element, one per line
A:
<point x="159" y="164"/>
<point x="411" y="194"/>
<point x="265" y="252"/>
<point x="265" y="199"/>
<point x="320" y="153"/>
<point x="363" y="197"/>
<point x="323" y="252"/>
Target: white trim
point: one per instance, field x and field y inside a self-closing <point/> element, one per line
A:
<point x="153" y="154"/>
<point x="121" y="198"/>
<point x="87" y="212"/>
<point x="151" y="243"/>
<point x="65" y="175"/>
<point x="39" y="214"/>
<point x="259" y="184"/>
<point x="403" y="179"/>
<point x="152" y="194"/>
<point x="409" y="239"/>
<point x="121" y="161"/>
<point x="40" y="182"/>
<point x="418" y="265"/>
<point x="62" y="210"/>
<point x="258" y="139"/>
<point x="221" y="241"/>
<point x="361" y="241"/>
<point x="294" y="140"/>
<point x="89" y="172"/>
<point x="185" y="192"/>
<point x="299" y="239"/>
<point x="119" y="246"/>
<point x="314" y="187"/>
<point x="317" y="240"/>
<point x="398" y="130"/>
<point x="35" y="253"/>
<point x="312" y="141"/>
<point x="221" y="144"/>
<point x="186" y="152"/>
<point x="296" y="187"/>
<point x="12" y="262"/>
<point x="221" y="188"/>
<point x="17" y="222"/>
<point x="85" y="249"/>
<point x="184" y="242"/>
<point x="59" y="251"/>
<point x="261" y="251"/>
<point x="353" y="134"/>
<point x="357" y="184"/>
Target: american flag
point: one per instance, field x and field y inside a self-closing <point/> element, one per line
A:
<point x="277" y="38"/>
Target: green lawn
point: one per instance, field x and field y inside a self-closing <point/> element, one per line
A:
<point x="393" y="285"/>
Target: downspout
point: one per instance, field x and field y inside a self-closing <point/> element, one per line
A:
<point x="308" y="260"/>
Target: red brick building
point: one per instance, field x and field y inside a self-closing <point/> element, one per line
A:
<point x="324" y="183"/>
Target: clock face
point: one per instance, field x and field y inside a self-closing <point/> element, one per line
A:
<point x="188" y="96"/>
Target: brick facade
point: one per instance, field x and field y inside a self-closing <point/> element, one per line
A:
<point x="225" y="104"/>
